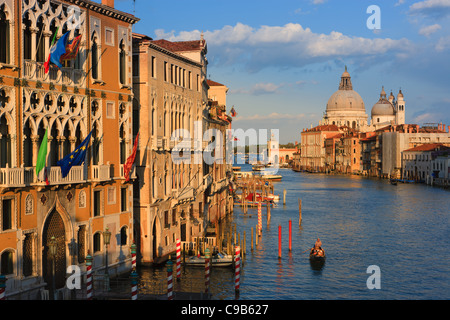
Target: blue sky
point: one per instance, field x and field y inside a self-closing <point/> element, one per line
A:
<point x="282" y="60"/>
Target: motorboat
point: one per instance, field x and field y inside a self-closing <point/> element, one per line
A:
<point x="217" y="260"/>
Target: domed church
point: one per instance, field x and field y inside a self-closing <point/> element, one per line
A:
<point x="346" y="107"/>
<point x="388" y="111"/>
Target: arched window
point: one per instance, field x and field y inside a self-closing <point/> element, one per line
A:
<point x="123" y="149"/>
<point x="122" y="63"/>
<point x="4" y="36"/>
<point x="5" y="143"/>
<point x="95" y="144"/>
<point x="123" y="236"/>
<point x="97" y="242"/>
<point x="40" y="43"/>
<point x="7" y="262"/>
<point x="94" y="57"/>
<point x="27" y="37"/>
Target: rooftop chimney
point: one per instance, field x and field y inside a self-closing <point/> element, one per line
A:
<point x="109" y="3"/>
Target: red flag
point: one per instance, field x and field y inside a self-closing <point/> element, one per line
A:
<point x="72" y="49"/>
<point x="130" y="160"/>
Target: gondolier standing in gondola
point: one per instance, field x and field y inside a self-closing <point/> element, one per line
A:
<point x="317" y="249"/>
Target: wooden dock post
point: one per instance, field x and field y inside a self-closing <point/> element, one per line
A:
<point x="284" y="196"/>
<point x="252" y="238"/>
<point x="268" y="211"/>
<point x="299" y="212"/>
<point x="290" y="235"/>
<point x="244" y="250"/>
<point x="256" y="235"/>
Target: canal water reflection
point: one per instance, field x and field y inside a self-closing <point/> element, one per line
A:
<point x="403" y="229"/>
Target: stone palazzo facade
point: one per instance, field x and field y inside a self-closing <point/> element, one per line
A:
<point x="91" y="93"/>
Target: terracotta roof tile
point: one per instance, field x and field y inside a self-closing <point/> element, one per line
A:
<point x="429" y="147"/>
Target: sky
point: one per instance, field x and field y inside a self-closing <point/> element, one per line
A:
<point x="282" y="60"/>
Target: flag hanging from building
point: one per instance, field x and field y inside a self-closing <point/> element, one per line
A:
<point x="76" y="158"/>
<point x="47" y="63"/>
<point x="72" y="48"/>
<point x="130" y="160"/>
<point x="41" y="170"/>
<point x="57" y="50"/>
<point x="233" y="112"/>
<point x="64" y="49"/>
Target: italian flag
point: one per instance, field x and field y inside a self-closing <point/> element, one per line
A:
<point x="41" y="170"/>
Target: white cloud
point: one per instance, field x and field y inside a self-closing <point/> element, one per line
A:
<point x="431" y="8"/>
<point x="426" y="31"/>
<point x="400" y="2"/>
<point x="290" y="45"/>
<point x="443" y="44"/>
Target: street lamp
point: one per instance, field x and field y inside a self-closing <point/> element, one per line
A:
<point x="53" y="248"/>
<point x="106" y="239"/>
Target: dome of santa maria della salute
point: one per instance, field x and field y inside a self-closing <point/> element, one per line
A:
<point x="345" y="106"/>
<point x="346" y="100"/>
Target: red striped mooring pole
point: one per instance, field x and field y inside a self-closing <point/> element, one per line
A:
<point x="88" y="277"/>
<point x="169" y="280"/>
<point x="134" y="285"/>
<point x="237" y="273"/>
<point x="2" y="287"/>
<point x="133" y="257"/>
<point x="178" y="260"/>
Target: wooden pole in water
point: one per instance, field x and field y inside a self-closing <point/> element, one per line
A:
<point x="284" y="196"/>
<point x="268" y="211"/>
<point x="244" y="250"/>
<point x="252" y="238"/>
<point x="290" y="235"/>
<point x="299" y="212"/>
<point x="256" y="235"/>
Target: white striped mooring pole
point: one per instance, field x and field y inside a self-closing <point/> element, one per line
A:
<point x="169" y="280"/>
<point x="134" y="285"/>
<point x="237" y="272"/>
<point x="88" y="277"/>
<point x="133" y="257"/>
<point x="2" y="287"/>
<point x="178" y="260"/>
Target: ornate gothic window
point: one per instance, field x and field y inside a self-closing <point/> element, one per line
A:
<point x="94" y="57"/>
<point x="4" y="36"/>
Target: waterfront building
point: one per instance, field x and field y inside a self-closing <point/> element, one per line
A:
<point x="417" y="162"/>
<point x="219" y="198"/>
<point x="393" y="140"/>
<point x="169" y="96"/>
<point x="312" y="147"/>
<point x="89" y="93"/>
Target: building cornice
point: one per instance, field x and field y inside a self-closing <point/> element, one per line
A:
<point x="105" y="10"/>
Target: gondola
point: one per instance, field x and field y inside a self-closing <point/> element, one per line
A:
<point x="316" y="258"/>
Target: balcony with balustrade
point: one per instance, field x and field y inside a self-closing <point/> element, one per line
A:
<point x="34" y="70"/>
<point x="26" y="176"/>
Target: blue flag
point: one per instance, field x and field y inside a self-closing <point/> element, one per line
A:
<point x="76" y="158"/>
<point x="59" y="49"/>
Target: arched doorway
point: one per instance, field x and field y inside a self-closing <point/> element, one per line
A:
<point x="54" y="227"/>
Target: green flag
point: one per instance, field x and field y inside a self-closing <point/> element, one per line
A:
<point x="42" y="155"/>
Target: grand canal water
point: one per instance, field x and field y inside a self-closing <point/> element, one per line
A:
<point x="403" y="229"/>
